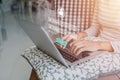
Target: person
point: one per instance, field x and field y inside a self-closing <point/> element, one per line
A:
<point x="103" y="35"/>
<point x="105" y="28"/>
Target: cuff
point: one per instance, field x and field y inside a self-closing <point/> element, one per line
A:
<point x="115" y="46"/>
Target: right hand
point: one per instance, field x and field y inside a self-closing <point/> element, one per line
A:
<point x="76" y="36"/>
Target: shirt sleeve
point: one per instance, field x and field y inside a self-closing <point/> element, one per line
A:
<point x="115" y="46"/>
<point x="94" y="29"/>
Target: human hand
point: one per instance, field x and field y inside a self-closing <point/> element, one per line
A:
<point x="79" y="46"/>
<point x="76" y="36"/>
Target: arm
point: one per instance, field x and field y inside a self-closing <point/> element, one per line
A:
<point x="106" y="46"/>
<point x="111" y="46"/>
<point x="79" y="46"/>
<point x="95" y="28"/>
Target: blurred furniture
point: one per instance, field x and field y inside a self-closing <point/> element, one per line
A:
<point x="30" y="4"/>
<point x="22" y="5"/>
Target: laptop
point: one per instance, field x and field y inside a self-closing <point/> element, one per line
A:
<point x="43" y="41"/>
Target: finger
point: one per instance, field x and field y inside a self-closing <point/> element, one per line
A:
<point x="77" y="44"/>
<point x="65" y="37"/>
<point x="63" y="47"/>
<point x="80" y="51"/>
<point x="68" y="39"/>
<point x="74" y="43"/>
<point x="72" y="48"/>
<point x="60" y="45"/>
<point x="76" y="49"/>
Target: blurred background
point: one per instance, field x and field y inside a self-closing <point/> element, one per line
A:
<point x="13" y="40"/>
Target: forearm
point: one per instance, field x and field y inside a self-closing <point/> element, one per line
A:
<point x="93" y="30"/>
<point x="81" y="35"/>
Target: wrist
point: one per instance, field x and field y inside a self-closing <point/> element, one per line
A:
<point x="106" y="46"/>
<point x="81" y="35"/>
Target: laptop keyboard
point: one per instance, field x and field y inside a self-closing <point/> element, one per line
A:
<point x="67" y="53"/>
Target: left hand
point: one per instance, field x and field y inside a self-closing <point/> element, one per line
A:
<point x="79" y="46"/>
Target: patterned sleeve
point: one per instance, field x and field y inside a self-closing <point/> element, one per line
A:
<point x="94" y="30"/>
